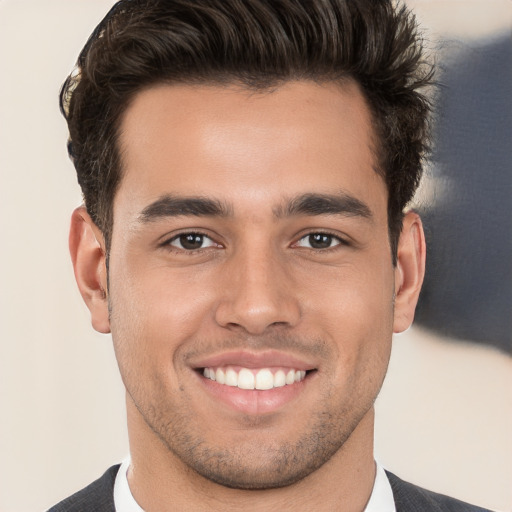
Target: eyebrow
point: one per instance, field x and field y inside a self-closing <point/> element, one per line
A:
<point x="172" y="206"/>
<point x="325" y="204"/>
<point x="305" y="204"/>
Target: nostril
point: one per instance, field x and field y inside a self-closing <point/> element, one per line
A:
<point x="256" y="310"/>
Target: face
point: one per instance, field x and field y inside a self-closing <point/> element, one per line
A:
<point x="251" y="285"/>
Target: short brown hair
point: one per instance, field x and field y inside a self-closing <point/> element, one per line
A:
<point x="259" y="44"/>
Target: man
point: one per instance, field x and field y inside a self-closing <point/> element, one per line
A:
<point x="245" y="168"/>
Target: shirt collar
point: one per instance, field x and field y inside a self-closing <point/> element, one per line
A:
<point x="381" y="499"/>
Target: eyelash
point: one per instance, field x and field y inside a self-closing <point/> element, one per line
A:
<point x="167" y="244"/>
<point x="182" y="250"/>
<point x="342" y="242"/>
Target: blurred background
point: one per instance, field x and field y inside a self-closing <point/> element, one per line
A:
<point x="444" y="416"/>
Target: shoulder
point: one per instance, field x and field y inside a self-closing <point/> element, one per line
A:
<point x="96" y="497"/>
<point x="409" y="497"/>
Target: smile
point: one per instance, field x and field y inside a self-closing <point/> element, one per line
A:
<point x="255" y="383"/>
<point x="261" y="379"/>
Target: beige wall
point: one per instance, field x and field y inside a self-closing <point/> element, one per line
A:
<point x="445" y="414"/>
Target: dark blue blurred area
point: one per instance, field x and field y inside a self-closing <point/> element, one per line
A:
<point x="468" y="288"/>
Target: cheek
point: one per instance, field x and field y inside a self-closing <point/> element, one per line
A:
<point x="156" y="309"/>
<point x="355" y="312"/>
<point x="352" y="298"/>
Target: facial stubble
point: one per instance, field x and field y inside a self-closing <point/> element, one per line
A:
<point x="255" y="459"/>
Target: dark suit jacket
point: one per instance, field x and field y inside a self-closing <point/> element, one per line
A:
<point x="99" y="497"/>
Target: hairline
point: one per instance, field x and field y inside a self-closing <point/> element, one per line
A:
<point x="267" y="86"/>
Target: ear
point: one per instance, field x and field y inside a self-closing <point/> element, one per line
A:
<point x="409" y="272"/>
<point x="87" y="248"/>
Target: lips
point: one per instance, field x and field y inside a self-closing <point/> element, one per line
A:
<point x="254" y="360"/>
<point x="254" y="383"/>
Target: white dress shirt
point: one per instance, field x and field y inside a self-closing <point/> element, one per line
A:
<point x="381" y="499"/>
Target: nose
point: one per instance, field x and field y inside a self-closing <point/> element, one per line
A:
<point x="257" y="293"/>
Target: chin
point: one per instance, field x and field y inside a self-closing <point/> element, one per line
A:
<point x="255" y="478"/>
<point x="258" y="465"/>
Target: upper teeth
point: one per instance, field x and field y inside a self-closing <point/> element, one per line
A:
<point x="252" y="379"/>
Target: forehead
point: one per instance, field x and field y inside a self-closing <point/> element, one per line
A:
<point x="240" y="145"/>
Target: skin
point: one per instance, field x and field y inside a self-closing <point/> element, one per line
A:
<point x="255" y="285"/>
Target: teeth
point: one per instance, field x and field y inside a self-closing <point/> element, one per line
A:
<point x="220" y="377"/>
<point x="279" y="379"/>
<point x="264" y="379"/>
<point x="245" y="379"/>
<point x="231" y="378"/>
<point x="250" y="379"/>
<point x="299" y="375"/>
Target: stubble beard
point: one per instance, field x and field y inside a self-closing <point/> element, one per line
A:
<point x="259" y="460"/>
<point x="257" y="464"/>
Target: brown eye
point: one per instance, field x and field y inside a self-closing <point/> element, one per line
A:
<point x="191" y="241"/>
<point x="319" y="241"/>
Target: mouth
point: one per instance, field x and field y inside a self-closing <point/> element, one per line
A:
<point x="255" y="383"/>
<point x="252" y="378"/>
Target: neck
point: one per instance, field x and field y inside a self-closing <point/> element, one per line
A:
<point x="160" y="481"/>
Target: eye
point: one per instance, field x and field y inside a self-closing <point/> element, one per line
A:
<point x="191" y="241"/>
<point x="319" y="241"/>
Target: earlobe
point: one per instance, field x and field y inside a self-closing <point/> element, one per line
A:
<point x="409" y="272"/>
<point x="87" y="248"/>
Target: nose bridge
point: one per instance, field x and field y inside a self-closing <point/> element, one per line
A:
<point x="257" y="291"/>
